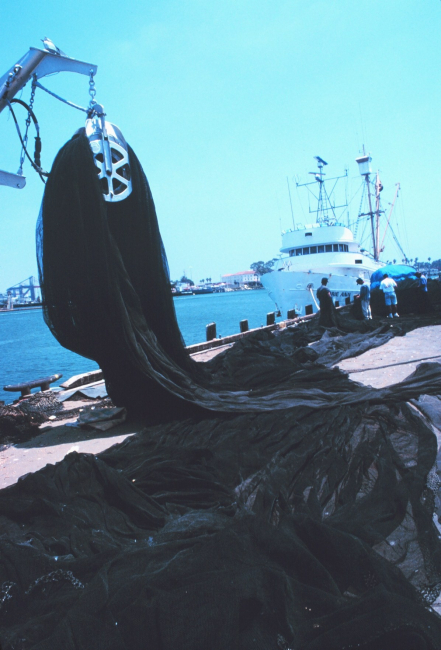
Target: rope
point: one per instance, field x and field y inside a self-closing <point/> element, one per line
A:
<point x="38" y="169"/>
<point x="79" y="108"/>
<point x="389" y="365"/>
<point x="23" y="141"/>
<point x="313" y="297"/>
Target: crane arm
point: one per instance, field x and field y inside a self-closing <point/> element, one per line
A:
<point x="38" y="63"/>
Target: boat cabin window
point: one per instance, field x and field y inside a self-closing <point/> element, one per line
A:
<point x="359" y="261"/>
<point x="312" y="250"/>
<point x="308" y="234"/>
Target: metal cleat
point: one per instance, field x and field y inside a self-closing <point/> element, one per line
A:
<point x="25" y="388"/>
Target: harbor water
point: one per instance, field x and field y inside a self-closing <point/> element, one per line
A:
<point x="28" y="350"/>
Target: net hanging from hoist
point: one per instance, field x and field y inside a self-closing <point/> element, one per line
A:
<point x="105" y="280"/>
<point x="106" y="293"/>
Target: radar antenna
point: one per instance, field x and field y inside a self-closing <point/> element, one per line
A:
<point x="325" y="207"/>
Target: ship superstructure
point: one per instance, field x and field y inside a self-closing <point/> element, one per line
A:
<point x="326" y="248"/>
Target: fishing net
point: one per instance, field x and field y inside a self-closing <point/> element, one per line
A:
<point x="287" y="507"/>
<point x="105" y="282"/>
<point x="22" y="421"/>
<point x="302" y="528"/>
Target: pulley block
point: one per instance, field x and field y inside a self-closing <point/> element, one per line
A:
<point x="111" y="156"/>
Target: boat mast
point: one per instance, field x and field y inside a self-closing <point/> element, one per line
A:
<point x="324" y="203"/>
<point x="371" y="214"/>
<point x="378" y="189"/>
<point x="365" y="170"/>
<point x="390" y="214"/>
<point x="321" y="207"/>
<point x="290" y="202"/>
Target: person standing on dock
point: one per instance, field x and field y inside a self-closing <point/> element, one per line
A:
<point x="328" y="317"/>
<point x="365" y="296"/>
<point x="423" y="295"/>
<point x="387" y="285"/>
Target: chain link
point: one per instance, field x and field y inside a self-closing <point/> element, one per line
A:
<point x="92" y="90"/>
<point x="28" y="124"/>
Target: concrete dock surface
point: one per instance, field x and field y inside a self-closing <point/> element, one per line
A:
<point x="396" y="359"/>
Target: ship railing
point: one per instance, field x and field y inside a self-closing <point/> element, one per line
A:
<point x="308" y="226"/>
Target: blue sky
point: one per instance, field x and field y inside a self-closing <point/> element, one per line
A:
<point x="223" y="100"/>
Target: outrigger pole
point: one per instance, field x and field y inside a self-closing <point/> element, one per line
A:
<point x="390" y="214"/>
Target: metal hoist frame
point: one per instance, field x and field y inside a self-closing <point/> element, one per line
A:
<point x="109" y="148"/>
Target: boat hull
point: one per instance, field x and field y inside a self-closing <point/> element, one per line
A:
<point x="297" y="290"/>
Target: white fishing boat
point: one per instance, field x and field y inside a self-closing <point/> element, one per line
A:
<point x="328" y="248"/>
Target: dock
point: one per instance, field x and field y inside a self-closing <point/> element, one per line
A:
<point x="378" y="367"/>
<point x="112" y="467"/>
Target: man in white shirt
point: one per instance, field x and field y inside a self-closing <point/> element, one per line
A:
<point x="387" y="285"/>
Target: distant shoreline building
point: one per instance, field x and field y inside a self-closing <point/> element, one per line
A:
<point x="242" y="277"/>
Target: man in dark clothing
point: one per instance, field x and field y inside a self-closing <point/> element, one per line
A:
<point x="423" y="295"/>
<point x="328" y="317"/>
<point x="365" y="296"/>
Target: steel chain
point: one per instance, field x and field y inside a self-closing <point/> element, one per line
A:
<point x="28" y="124"/>
<point x="92" y="90"/>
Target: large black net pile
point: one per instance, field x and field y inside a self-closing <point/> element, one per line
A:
<point x="302" y="528"/>
<point x="289" y="508"/>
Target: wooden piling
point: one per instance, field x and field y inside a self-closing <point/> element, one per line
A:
<point x="210" y="331"/>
